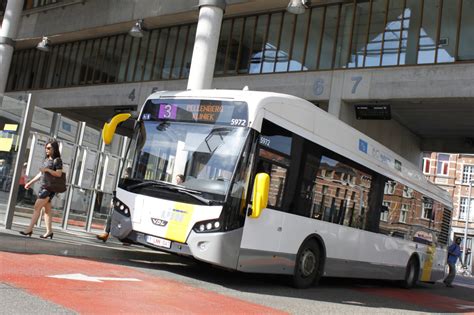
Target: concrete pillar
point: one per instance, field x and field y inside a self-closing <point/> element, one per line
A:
<point x="205" y="45"/>
<point x="335" y="97"/>
<point x="8" y="33"/>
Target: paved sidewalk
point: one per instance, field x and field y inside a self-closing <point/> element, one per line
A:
<point x="74" y="244"/>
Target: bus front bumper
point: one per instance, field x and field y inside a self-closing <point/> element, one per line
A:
<point x="217" y="248"/>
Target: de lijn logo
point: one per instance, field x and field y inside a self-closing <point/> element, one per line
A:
<point x="159" y="222"/>
<point x="363" y="146"/>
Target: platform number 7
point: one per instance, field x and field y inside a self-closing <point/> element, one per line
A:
<point x="356" y="80"/>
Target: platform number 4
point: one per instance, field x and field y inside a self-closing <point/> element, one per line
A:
<point x="131" y="96"/>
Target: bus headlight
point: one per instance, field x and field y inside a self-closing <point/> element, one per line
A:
<point x="121" y="208"/>
<point x="207" y="226"/>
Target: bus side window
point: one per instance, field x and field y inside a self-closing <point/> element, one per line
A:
<point x="278" y="176"/>
<point x="340" y="192"/>
<point x="275" y="148"/>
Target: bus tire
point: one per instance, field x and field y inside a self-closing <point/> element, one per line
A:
<point x="308" y="265"/>
<point x="411" y="273"/>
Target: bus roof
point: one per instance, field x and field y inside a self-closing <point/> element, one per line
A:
<point x="328" y="131"/>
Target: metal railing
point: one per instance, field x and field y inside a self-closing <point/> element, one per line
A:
<point x="32" y="4"/>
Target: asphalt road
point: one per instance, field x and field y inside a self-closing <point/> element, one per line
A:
<point x="43" y="284"/>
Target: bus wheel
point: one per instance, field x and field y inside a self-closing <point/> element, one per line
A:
<point x="308" y="264"/>
<point x="411" y="274"/>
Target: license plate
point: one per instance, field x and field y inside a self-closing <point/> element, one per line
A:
<point x="158" y="241"/>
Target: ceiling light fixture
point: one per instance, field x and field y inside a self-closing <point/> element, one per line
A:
<point x="44" y="44"/>
<point x="297" y="6"/>
<point x="137" y="29"/>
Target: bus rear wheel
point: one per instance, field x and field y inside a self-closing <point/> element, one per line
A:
<point x="411" y="274"/>
<point x="308" y="264"/>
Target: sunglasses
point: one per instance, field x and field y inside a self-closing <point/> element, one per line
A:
<point x="48" y="148"/>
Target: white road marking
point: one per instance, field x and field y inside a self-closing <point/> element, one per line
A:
<point x="81" y="277"/>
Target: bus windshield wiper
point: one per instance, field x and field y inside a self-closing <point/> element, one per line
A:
<point x="189" y="192"/>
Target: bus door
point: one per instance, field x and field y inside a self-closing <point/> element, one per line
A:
<point x="261" y="238"/>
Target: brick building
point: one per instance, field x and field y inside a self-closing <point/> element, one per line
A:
<point x="454" y="172"/>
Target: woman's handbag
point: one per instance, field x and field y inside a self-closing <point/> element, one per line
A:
<point x="55" y="184"/>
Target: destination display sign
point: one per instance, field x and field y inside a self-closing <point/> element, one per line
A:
<point x="200" y="111"/>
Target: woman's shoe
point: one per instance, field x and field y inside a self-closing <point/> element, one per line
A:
<point x="26" y="234"/>
<point x="50" y="235"/>
<point x="103" y="237"/>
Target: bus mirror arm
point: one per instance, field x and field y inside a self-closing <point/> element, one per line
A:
<point x="109" y="127"/>
<point x="249" y="210"/>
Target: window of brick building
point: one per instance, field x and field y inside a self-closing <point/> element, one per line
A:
<point x="442" y="166"/>
<point x="404" y="213"/>
<point x="467" y="173"/>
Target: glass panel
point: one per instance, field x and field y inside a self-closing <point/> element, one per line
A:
<point x="42" y="120"/>
<point x="314" y="39"/>
<point x="25" y="68"/>
<point x="447" y="39"/>
<point x="189" y="52"/>
<point x="12" y="75"/>
<point x="28" y="70"/>
<point x="89" y="168"/>
<point x="33" y="68"/>
<point x="170" y="53"/>
<point x="22" y="59"/>
<point x="222" y="48"/>
<point x="411" y="32"/>
<point x="234" y="45"/>
<point x="80" y="205"/>
<point x="466" y="36"/>
<point x="160" y="55"/>
<point x="66" y="58"/>
<point x="272" y="44"/>
<point x="392" y="34"/>
<point x="92" y="62"/>
<point x="15" y="71"/>
<point x="258" y="44"/>
<point x="132" y="59"/>
<point x="246" y="45"/>
<point x="71" y="64"/>
<point x="427" y="42"/>
<point x="150" y="54"/>
<point x="51" y="67"/>
<point x="67" y="129"/>
<point x="76" y="72"/>
<point x="143" y="50"/>
<point x="115" y="53"/>
<point x="179" y="53"/>
<point x="91" y="138"/>
<point x="99" y="69"/>
<point x="85" y="62"/>
<point x="58" y="65"/>
<point x="329" y="36"/>
<point x="102" y="207"/>
<point x="282" y="55"/>
<point x="344" y="36"/>
<point x="377" y="30"/>
<point x="11" y="113"/>
<point x="297" y="54"/>
<point x="36" y="79"/>
<point x="123" y="64"/>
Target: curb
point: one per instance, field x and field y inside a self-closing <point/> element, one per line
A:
<point x="77" y="248"/>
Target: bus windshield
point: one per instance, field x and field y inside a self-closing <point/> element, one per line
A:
<point x="198" y="157"/>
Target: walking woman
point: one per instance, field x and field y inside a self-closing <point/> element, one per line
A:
<point x="54" y="166"/>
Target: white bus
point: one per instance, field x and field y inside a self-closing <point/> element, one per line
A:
<point x="269" y="183"/>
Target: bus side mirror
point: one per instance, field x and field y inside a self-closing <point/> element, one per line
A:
<point x="261" y="186"/>
<point x="109" y="128"/>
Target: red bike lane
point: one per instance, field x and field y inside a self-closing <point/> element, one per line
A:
<point x="97" y="287"/>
